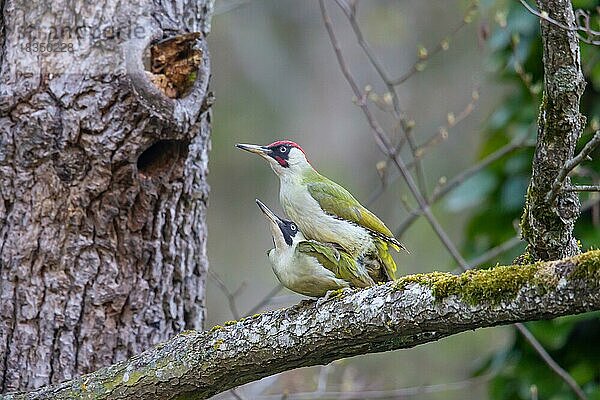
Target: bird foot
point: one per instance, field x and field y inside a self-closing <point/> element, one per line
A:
<point x="331" y="294"/>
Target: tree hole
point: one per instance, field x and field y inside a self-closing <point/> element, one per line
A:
<point x="164" y="159"/>
<point x="172" y="64"/>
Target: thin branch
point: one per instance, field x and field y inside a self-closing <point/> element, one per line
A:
<point x="451" y="121"/>
<point x="421" y="150"/>
<point x="428" y="214"/>
<point x="265" y="300"/>
<point x="582" y="188"/>
<point x="443" y="44"/>
<point x="578" y="28"/>
<point x="495" y="252"/>
<point x="385" y="394"/>
<point x="455" y="182"/>
<point x="550" y="362"/>
<point x="380" y="136"/>
<point x="516" y="144"/>
<point x="410" y="139"/>
<point x="411" y="311"/>
<point x="572" y="163"/>
<point x="384" y="143"/>
<point x="231" y="296"/>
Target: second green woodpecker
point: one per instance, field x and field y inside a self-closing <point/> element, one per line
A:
<point x="309" y="267"/>
<point x="326" y="212"/>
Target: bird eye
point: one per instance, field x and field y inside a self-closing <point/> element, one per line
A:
<point x="293" y="227"/>
<point x="283" y="149"/>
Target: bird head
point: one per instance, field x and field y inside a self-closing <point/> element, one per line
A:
<point x="285" y="157"/>
<point x="284" y="232"/>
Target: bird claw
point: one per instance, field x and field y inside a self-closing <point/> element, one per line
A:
<point x="331" y="294"/>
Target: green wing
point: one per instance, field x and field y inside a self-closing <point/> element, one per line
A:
<point x="337" y="261"/>
<point x="337" y="201"/>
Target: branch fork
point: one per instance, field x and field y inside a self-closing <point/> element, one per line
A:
<point x="569" y="166"/>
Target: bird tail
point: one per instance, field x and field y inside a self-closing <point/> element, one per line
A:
<point x="386" y="258"/>
<point x="389" y="240"/>
<point x="396" y="244"/>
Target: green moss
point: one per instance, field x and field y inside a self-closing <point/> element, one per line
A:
<point x="587" y="267"/>
<point x="524" y="223"/>
<point x="113" y="383"/>
<point x="335" y="294"/>
<point x="482" y="286"/>
<point x="229" y="323"/>
<point x="524" y="259"/>
<point x="218" y="344"/>
<point x="188" y="332"/>
<point x="215" y="328"/>
<point x="134" y="377"/>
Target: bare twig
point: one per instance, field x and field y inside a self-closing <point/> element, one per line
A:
<point x="453" y="183"/>
<point x="580" y="14"/>
<point x="451" y="121"/>
<point x="350" y="13"/>
<point x="526" y="77"/>
<point x="495" y="252"/>
<point x="384" y="142"/>
<point x="582" y="188"/>
<point x="385" y="394"/>
<point x="265" y="300"/>
<point x="572" y="163"/>
<point x="444" y="44"/>
<point x="380" y="136"/>
<point x="231" y="296"/>
<point x="550" y="362"/>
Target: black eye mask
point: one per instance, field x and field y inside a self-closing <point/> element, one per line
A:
<point x="281" y="157"/>
<point x="289" y="230"/>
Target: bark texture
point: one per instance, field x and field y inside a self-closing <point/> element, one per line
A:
<point x="547" y="224"/>
<point x="102" y="187"/>
<point x="413" y="310"/>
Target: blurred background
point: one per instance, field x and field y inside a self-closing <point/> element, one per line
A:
<point x="473" y="87"/>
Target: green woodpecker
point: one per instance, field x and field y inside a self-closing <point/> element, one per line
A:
<point x="309" y="267"/>
<point x="328" y="213"/>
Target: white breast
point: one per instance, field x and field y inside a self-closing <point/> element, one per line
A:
<point x="317" y="225"/>
<point x="303" y="274"/>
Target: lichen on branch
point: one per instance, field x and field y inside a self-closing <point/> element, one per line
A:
<point x="413" y="310"/>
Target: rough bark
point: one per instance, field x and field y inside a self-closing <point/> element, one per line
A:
<point x="547" y="224"/>
<point x="411" y="311"/>
<point x="102" y="191"/>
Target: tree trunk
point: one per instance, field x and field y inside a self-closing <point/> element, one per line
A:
<point x="547" y="222"/>
<point x="102" y="184"/>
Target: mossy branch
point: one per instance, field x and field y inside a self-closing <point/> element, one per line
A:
<point x="413" y="310"/>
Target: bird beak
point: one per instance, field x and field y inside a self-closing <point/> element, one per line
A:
<point x="268" y="213"/>
<point x="252" y="148"/>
